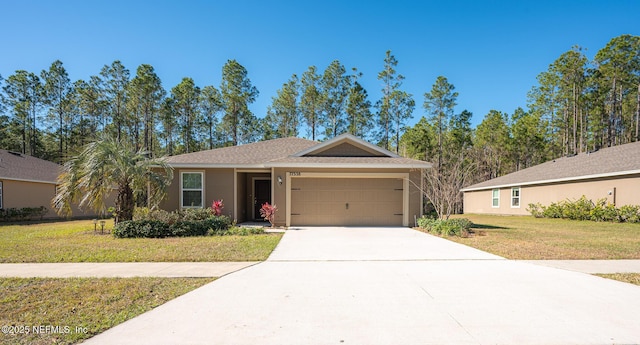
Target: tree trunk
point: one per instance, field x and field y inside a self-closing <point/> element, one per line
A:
<point x="612" y="115"/>
<point x="638" y="114"/>
<point x="575" y="120"/>
<point x="124" y="204"/>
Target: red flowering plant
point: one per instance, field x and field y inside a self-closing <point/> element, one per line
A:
<point x="268" y="212"/>
<point x="217" y="207"/>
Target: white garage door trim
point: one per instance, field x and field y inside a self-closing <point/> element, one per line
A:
<point x="405" y="187"/>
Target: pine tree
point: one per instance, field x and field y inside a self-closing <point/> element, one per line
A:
<point x="238" y="121"/>
<point x="311" y="100"/>
<point x="335" y="87"/>
<point x="283" y="115"/>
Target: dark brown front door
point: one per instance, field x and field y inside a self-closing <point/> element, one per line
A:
<point x="262" y="194"/>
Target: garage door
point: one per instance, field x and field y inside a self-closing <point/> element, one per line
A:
<point x="346" y="201"/>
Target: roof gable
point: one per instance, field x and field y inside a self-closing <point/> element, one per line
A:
<point x="345" y="145"/>
<point x="20" y="167"/>
<point x="612" y="161"/>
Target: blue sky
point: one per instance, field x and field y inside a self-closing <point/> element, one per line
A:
<point x="491" y="51"/>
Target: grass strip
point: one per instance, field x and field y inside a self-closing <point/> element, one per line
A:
<point x="632" y="278"/>
<point x="76" y="241"/>
<point x="68" y="310"/>
<point x="529" y="238"/>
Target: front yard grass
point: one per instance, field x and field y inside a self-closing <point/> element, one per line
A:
<point x="79" y="307"/>
<point x="632" y="278"/>
<point x="529" y="238"/>
<point x="76" y="241"/>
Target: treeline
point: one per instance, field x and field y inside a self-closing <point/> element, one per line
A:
<point x="47" y="115"/>
<point x="577" y="106"/>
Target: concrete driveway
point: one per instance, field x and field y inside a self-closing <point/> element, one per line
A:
<point x="390" y="286"/>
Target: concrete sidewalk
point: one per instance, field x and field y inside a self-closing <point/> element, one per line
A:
<point x="123" y="270"/>
<point x="219" y="269"/>
<point x="591" y="266"/>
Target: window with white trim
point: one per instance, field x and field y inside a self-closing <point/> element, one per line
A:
<point x="191" y="189"/>
<point x="495" y="198"/>
<point x="1" y="195"/>
<point x="515" y="197"/>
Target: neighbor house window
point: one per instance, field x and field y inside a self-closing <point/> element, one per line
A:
<point x="0" y="195"/>
<point x="192" y="191"/>
<point x="495" y="198"/>
<point x="515" y="197"/>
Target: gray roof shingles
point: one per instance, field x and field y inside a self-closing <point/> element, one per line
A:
<point x="16" y="166"/>
<point x="278" y="152"/>
<point x="608" y="161"/>
<point x="248" y="154"/>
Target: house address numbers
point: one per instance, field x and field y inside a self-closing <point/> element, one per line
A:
<point x="294" y="173"/>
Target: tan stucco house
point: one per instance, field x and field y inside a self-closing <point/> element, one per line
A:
<point x="26" y="181"/>
<point x="342" y="181"/>
<point x="612" y="173"/>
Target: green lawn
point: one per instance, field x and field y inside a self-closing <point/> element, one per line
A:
<point x="76" y="241"/>
<point x="529" y="238"/>
<point x="79" y="307"/>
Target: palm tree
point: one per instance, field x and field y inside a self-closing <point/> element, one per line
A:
<point x="108" y="165"/>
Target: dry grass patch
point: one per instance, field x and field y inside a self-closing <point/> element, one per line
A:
<point x="79" y="307"/>
<point x="76" y="241"/>
<point x="529" y="238"/>
<point x="632" y="278"/>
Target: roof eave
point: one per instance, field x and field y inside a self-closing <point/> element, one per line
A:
<point x="2" y="178"/>
<point x="351" y="165"/>
<point x="566" y="179"/>
<point x="302" y="165"/>
<point x="216" y="165"/>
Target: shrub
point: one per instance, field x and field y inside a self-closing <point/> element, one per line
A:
<point x="217" y="206"/>
<point x="150" y="228"/>
<point x="536" y="210"/>
<point x="25" y="213"/>
<point x="195" y="214"/>
<point x="578" y="210"/>
<point x="268" y="212"/>
<point x="629" y="213"/>
<point x="585" y="209"/>
<point x="604" y="212"/>
<point x="218" y="225"/>
<point x="555" y="210"/>
<point x="140" y="228"/>
<point x="448" y="227"/>
<point x="144" y="213"/>
<point x="244" y="231"/>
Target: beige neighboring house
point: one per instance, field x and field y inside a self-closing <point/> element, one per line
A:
<point x="342" y="181"/>
<point x="27" y="181"/>
<point x="612" y="173"/>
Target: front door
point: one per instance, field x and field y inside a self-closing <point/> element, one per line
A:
<point x="261" y="194"/>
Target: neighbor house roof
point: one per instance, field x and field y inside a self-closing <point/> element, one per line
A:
<point x="612" y="161"/>
<point x="20" y="167"/>
<point x="296" y="152"/>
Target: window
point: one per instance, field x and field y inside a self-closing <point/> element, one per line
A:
<point x="515" y="197"/>
<point x="495" y="198"/>
<point x="0" y="195"/>
<point x="192" y="191"/>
